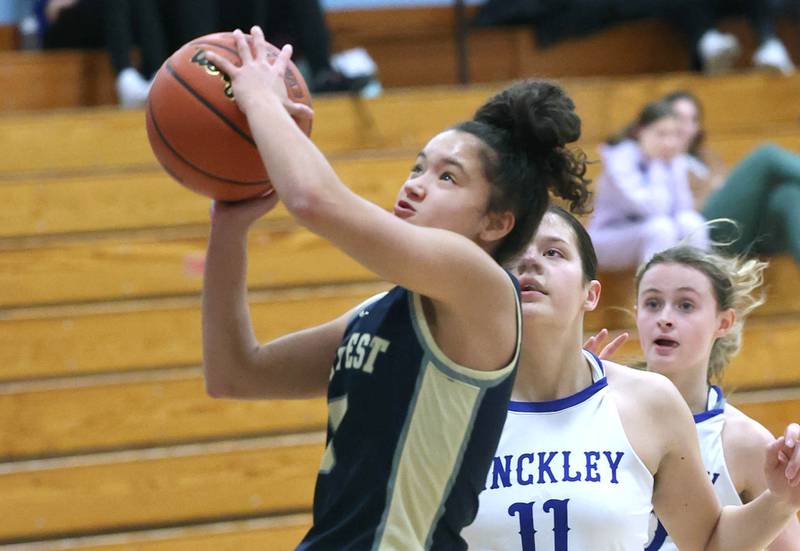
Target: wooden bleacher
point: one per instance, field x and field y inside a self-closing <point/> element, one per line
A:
<point x="393" y="37"/>
<point x="111" y="442"/>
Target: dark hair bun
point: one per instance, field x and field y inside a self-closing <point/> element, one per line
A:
<point x="538" y="115"/>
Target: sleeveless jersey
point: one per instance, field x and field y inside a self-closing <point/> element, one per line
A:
<point x="411" y="434"/>
<point x="564" y="477"/>
<point x="709" y="426"/>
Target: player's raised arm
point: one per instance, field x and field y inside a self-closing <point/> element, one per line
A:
<point x="457" y="196"/>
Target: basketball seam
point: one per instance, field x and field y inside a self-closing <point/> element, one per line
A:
<point x="216" y="45"/>
<point x="209" y="105"/>
<point x="191" y="164"/>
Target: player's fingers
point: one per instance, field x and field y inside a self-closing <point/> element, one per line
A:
<point x="774" y="454"/>
<point x="299" y="110"/>
<point x="282" y="61"/>
<point x="793" y="454"/>
<point x="792" y="435"/>
<point x="593" y="342"/>
<point x="245" y="53"/>
<point x="612" y="347"/>
<point x="260" y="42"/>
<point x="221" y="63"/>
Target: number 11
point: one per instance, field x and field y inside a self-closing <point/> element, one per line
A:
<point x="527" y="530"/>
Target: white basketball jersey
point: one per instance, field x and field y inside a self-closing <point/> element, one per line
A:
<point x="709" y="432"/>
<point x="564" y="477"/>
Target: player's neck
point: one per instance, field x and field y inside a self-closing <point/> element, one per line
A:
<point x="552" y="366"/>
<point x="693" y="386"/>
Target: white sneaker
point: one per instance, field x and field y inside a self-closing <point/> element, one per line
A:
<point x="773" y="55"/>
<point x="718" y="51"/>
<point x="132" y="88"/>
<point x="354" y="63"/>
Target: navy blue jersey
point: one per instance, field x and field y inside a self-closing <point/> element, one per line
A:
<point x="411" y="434"/>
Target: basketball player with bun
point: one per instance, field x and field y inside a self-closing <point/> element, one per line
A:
<point x="690" y="313"/>
<point x="417" y="379"/>
<point x="591" y="447"/>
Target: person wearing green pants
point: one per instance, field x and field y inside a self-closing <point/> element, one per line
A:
<point x="761" y="194"/>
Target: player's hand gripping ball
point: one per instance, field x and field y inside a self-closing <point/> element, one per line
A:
<point x="196" y="130"/>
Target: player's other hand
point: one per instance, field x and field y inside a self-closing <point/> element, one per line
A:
<point x="241" y="214"/>
<point x="782" y="467"/>
<point x="594" y="343"/>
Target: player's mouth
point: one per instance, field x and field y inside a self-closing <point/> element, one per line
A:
<point x="665" y="345"/>
<point x="403" y="209"/>
<point x="531" y="289"/>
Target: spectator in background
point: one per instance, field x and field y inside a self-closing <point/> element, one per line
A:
<point x="761" y="194"/>
<point x="717" y="52"/>
<point x="302" y="24"/>
<point x="155" y="27"/>
<point x="712" y="51"/>
<point x="644" y="203"/>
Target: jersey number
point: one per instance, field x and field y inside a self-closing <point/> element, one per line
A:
<point x="526" y="525"/>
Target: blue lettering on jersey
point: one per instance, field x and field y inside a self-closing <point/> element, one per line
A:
<point x="524" y="481"/>
<point x="502" y="471"/>
<point x="544" y="467"/>
<point x="527" y="529"/>
<point x="591" y="467"/>
<point x="553" y="467"/>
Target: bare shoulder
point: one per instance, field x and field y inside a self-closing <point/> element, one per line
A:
<point x="651" y="410"/>
<point x="654" y="392"/>
<point x="744" y="435"/>
<point x="744" y="441"/>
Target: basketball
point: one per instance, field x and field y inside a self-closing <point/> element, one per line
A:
<point x="197" y="131"/>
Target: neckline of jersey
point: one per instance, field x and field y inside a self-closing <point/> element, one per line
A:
<point x="561" y="404"/>
<point x="712" y="411"/>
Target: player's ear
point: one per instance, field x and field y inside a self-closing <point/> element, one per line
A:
<point x="593" y="289"/>
<point x="725" y="321"/>
<point x="496" y="225"/>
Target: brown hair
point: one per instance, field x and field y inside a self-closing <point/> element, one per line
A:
<point x="734" y="281"/>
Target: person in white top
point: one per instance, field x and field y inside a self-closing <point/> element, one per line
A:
<point x="589" y="445"/>
<point x="690" y="312"/>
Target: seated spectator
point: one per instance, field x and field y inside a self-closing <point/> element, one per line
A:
<point x="712" y="50"/>
<point x="761" y="194"/>
<point x="643" y="203"/>
<point x="153" y="27"/>
<point x="717" y="52"/>
<point x="301" y="23"/>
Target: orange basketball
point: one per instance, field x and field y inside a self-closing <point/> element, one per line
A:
<point x="195" y="128"/>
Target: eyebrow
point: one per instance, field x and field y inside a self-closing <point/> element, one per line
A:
<point x="446" y="160"/>
<point x="554" y="238"/>
<point x="654" y="290"/>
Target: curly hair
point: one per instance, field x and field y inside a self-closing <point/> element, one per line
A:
<point x="525" y="129"/>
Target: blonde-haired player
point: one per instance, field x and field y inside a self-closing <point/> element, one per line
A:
<point x="591" y="447"/>
<point x="691" y="308"/>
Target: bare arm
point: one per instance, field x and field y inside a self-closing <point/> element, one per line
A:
<point x="683" y="497"/>
<point x="425" y="260"/>
<point x="744" y="441"/>
<point x="235" y="364"/>
<point x="690" y="510"/>
<point x="757" y="524"/>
